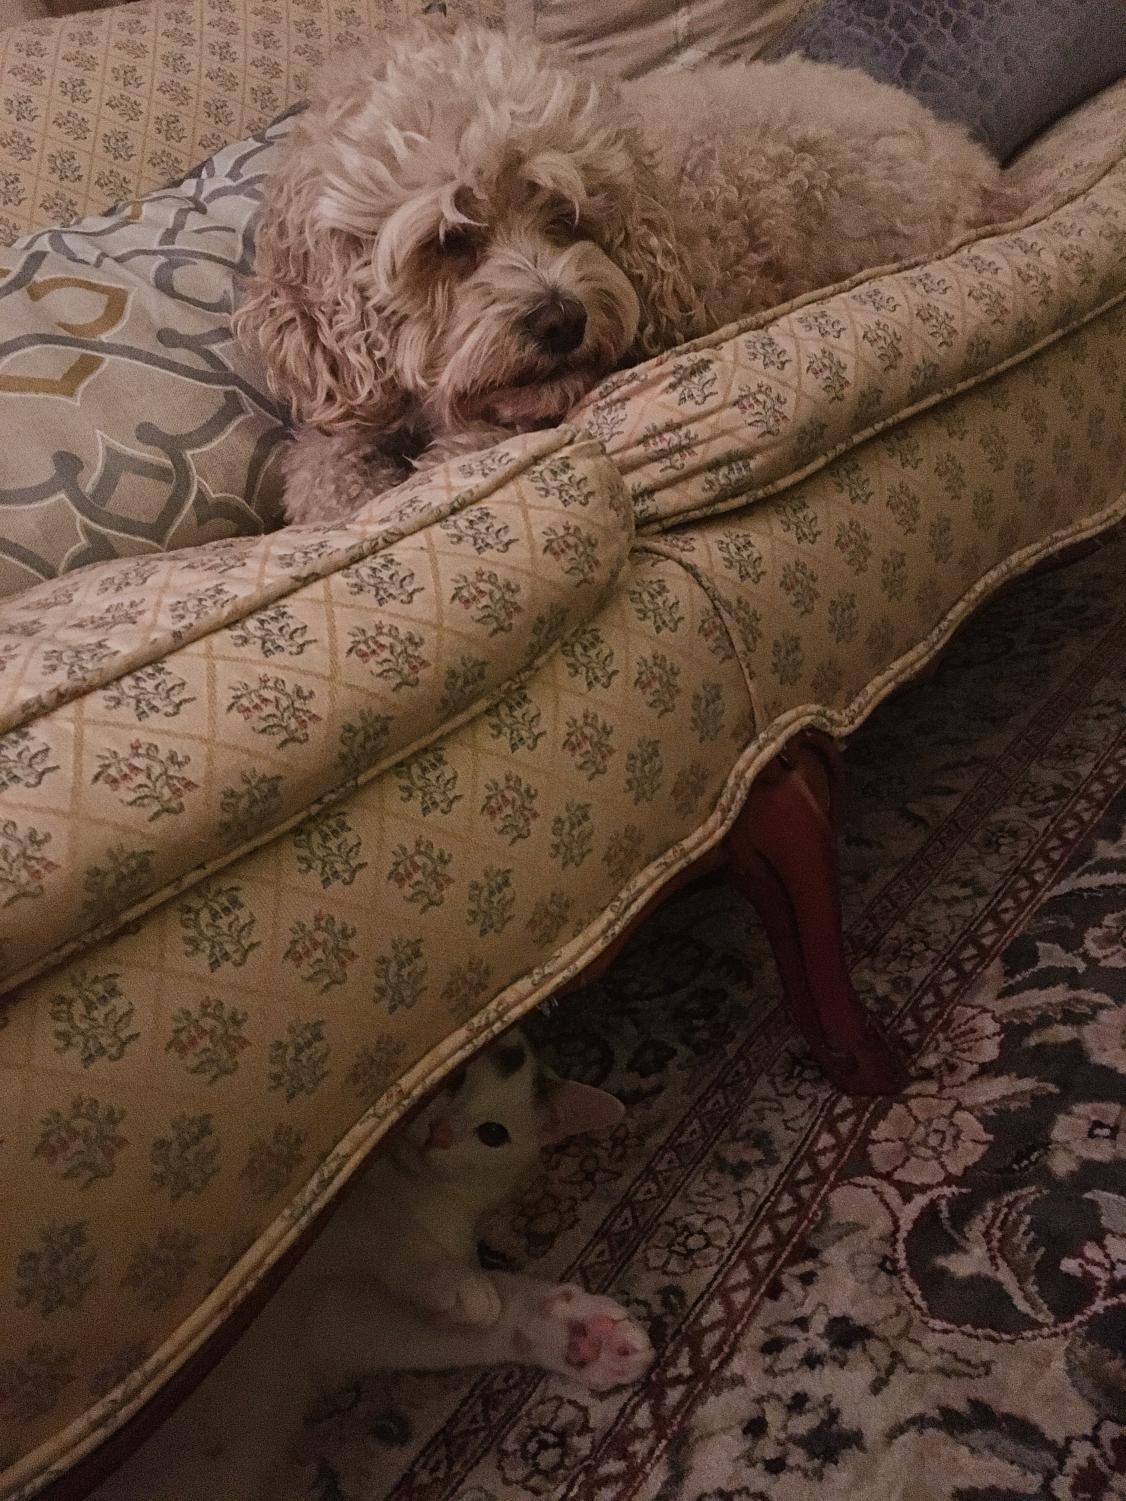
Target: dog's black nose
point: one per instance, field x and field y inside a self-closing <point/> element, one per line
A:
<point x="557" y="325"/>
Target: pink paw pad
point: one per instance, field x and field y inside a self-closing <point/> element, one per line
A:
<point x="582" y="1348"/>
<point x="603" y="1346"/>
<point x="587" y="1341"/>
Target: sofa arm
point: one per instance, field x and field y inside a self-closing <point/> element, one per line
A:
<point x="163" y="715"/>
<point x="753" y="409"/>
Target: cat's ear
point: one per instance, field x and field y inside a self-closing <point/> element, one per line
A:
<point x="571" y="1108"/>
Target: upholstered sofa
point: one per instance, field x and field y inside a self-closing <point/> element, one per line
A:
<point x="291" y="821"/>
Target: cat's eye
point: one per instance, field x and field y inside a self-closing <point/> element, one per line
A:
<point x="492" y="1134"/>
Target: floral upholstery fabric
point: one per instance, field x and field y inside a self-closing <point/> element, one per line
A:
<point x="290" y="824"/>
<point x="208" y="697"/>
<point x="99" y="108"/>
<point x="831" y="587"/>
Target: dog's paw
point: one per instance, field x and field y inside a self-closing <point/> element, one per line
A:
<point x="589" y="1338"/>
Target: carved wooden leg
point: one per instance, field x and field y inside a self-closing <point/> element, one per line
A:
<point x="782" y="853"/>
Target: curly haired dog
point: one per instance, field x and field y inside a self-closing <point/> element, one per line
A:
<point x="463" y="236"/>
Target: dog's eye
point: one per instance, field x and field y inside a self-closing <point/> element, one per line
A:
<point x="563" y="223"/>
<point x="492" y="1134"/>
<point x="455" y="244"/>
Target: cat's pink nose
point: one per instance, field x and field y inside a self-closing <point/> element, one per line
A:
<point x="440" y="1135"/>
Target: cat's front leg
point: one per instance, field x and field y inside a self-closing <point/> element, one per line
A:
<point x="457" y="1295"/>
<point x="436" y="1282"/>
<point x="353" y="1325"/>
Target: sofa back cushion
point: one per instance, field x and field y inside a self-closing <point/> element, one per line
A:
<point x="626" y="38"/>
<point x="105" y="105"/>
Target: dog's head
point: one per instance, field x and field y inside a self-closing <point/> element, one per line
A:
<point x="460" y="231"/>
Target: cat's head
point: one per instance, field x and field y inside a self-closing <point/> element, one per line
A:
<point x="487" y="1126"/>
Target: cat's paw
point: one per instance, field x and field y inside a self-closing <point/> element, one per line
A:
<point x="470" y="1299"/>
<point x="589" y="1338"/>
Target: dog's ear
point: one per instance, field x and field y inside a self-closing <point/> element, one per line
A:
<point x="658" y="257"/>
<point x="304" y="308"/>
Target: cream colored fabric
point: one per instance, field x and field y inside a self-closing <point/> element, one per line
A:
<point x="104" y="106"/>
<point x="14" y="11"/>
<point x="192" y="703"/>
<point x="830" y="585"/>
<point x="626" y="38"/>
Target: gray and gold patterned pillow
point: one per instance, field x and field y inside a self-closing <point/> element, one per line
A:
<point x="1006" y="69"/>
<point x="131" y="420"/>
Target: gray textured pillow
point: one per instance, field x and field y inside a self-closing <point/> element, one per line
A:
<point x="1004" y="68"/>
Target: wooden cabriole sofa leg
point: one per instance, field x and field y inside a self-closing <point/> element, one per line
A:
<point x="782" y="855"/>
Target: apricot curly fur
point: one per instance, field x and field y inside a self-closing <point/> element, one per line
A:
<point x="443" y="190"/>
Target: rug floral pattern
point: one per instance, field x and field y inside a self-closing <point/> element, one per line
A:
<point x="923" y="1297"/>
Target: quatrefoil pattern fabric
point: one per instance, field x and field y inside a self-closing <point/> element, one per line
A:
<point x="137" y="423"/>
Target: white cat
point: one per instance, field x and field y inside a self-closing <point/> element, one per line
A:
<point x="393" y="1283"/>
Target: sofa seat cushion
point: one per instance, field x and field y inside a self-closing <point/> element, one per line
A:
<point x="198" y="701"/>
<point x="178" y="1099"/>
<point x="736" y="416"/>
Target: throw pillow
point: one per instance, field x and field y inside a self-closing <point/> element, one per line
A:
<point x="1004" y="68"/>
<point x="133" y="422"/>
